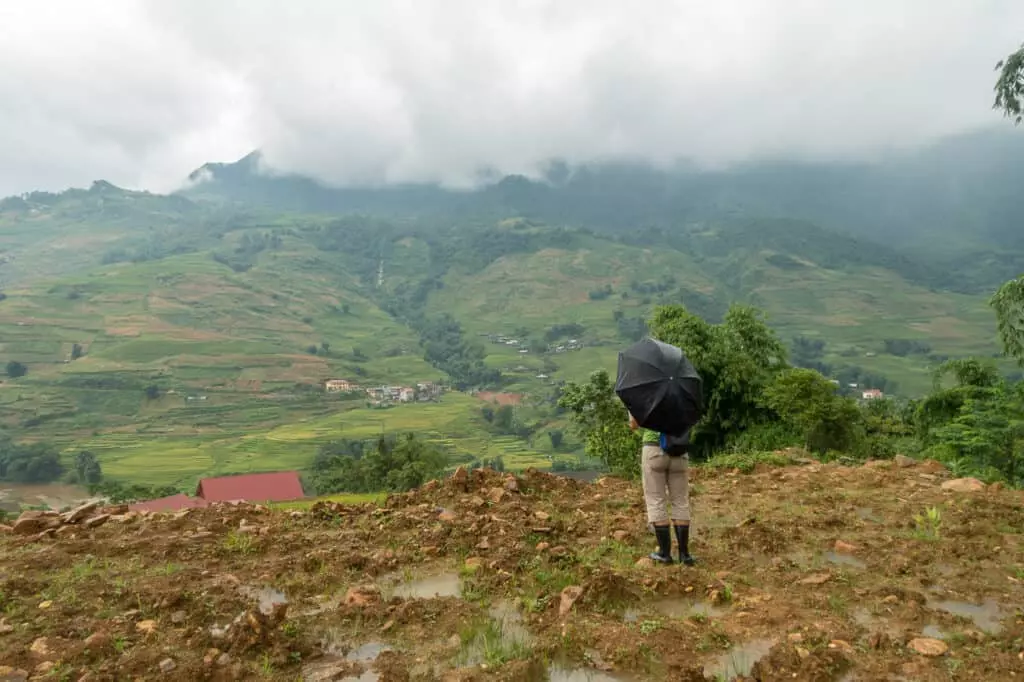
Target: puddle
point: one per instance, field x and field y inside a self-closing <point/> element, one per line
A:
<point x="561" y="674"/>
<point x="986" y="616"/>
<point x="844" y="560"/>
<point x="739" y="660"/>
<point x="933" y="631"/>
<point x="331" y="667"/>
<point x="686" y="608"/>
<point x="868" y="514"/>
<point x="426" y="587"/>
<point x="510" y="621"/>
<point x="504" y="632"/>
<point x="266" y="597"/>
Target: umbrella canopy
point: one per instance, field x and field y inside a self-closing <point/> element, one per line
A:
<point x="660" y="387"/>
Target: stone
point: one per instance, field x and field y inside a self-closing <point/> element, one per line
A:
<point x="645" y="562"/>
<point x="9" y="674"/>
<point x="877" y="464"/>
<point x="569" y="597"/>
<point x="5" y="627"/>
<point x="541" y="516"/>
<point x="841" y="645"/>
<point x="541" y="546"/>
<point x="167" y="665"/>
<point x="995" y="487"/>
<point x="33" y="522"/>
<point x="963" y="485"/>
<point x="98" y="641"/>
<point x="795" y="637"/>
<point x="474" y="562"/>
<point x="179" y="617"/>
<point x="80" y="513"/>
<point x="146" y="627"/>
<point x="842" y="547"/>
<point x="496" y="495"/>
<point x="484" y="543"/>
<point x="461" y="476"/>
<point x="926" y="646"/>
<point x="44" y="669"/>
<point x="803" y="653"/>
<point x="559" y="551"/>
<point x="932" y="466"/>
<point x="620" y="535"/>
<point x="96" y="521"/>
<point x="512" y="484"/>
<point x="223" y="660"/>
<point x="362" y="595"/>
<point x="904" y="462"/>
<point x="891" y="599"/>
<point x="210" y="657"/>
<point x="43" y="649"/>
<point x="447" y="516"/>
<point x="4" y="528"/>
<point x="476" y="502"/>
<point x="816" y="579"/>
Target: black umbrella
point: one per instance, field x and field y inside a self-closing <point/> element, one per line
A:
<point x="660" y="387"/>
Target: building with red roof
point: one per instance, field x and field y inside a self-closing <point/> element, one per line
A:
<point x="172" y="503"/>
<point x="279" y="486"/>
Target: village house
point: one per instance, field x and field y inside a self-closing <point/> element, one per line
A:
<point x="338" y="386"/>
<point x="872" y="394"/>
<point x="278" y="486"/>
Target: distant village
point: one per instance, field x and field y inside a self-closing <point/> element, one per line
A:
<point x="560" y="347"/>
<point x="381" y="396"/>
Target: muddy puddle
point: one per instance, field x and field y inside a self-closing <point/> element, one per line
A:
<point x="739" y="660"/>
<point x="503" y="633"/>
<point x="687" y="608"/>
<point x="423" y="587"/>
<point x="844" y="560"/>
<point x="985" y="616"/>
<point x="332" y="666"/>
<point x="560" y="674"/>
<point x="265" y="597"/>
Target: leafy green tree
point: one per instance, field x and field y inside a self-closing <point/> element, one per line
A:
<point x="603" y="422"/>
<point x="33" y="463"/>
<point x="557" y="437"/>
<point x="1008" y="303"/>
<point x="392" y="465"/>
<point x="1010" y="86"/>
<point x="88" y="468"/>
<point x="737" y="360"/>
<point x="152" y="392"/>
<point x="16" y="370"/>
<point x="76" y="351"/>
<point x="809" y="402"/>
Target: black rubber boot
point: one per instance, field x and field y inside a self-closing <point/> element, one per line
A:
<point x="683" y="538"/>
<point x="664" y="553"/>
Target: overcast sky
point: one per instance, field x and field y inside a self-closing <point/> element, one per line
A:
<point x="140" y="93"/>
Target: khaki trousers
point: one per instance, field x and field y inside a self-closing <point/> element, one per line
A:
<point x="665" y="481"/>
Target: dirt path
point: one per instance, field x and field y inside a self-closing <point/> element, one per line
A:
<point x="814" y="572"/>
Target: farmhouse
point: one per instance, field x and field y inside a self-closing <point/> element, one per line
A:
<point x="339" y="386"/>
<point x="872" y="394"/>
<point x="280" y="486"/>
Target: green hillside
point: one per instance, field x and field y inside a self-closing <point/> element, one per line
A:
<point x="182" y="338"/>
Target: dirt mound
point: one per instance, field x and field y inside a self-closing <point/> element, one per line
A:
<point x="806" y="572"/>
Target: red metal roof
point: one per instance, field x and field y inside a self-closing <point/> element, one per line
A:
<point x="172" y="503"/>
<point x="279" y="486"/>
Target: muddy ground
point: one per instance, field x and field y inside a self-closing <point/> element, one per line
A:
<point x="807" y="572"/>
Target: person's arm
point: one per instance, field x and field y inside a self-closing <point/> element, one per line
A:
<point x="633" y="425"/>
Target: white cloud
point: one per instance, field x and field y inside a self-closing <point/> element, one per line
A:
<point x="141" y="92"/>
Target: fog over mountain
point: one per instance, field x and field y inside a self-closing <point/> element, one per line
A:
<point x="142" y="92"/>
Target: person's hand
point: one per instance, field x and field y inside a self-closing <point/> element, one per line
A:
<point x="633" y="425"/>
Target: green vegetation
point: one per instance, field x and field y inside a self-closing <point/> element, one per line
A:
<point x="28" y="463"/>
<point x="391" y="464"/>
<point x="1010" y="86"/>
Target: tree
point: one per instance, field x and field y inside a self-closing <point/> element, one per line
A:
<point x="737" y="360"/>
<point x="76" y="351"/>
<point x="88" y="468"/>
<point x="603" y="422"/>
<point x="1010" y="86"/>
<point x="394" y="464"/>
<point x="557" y="437"/>
<point x="809" y="402"/>
<point x="16" y="369"/>
<point x="33" y="463"/>
<point x="152" y="392"/>
<point x="1008" y="304"/>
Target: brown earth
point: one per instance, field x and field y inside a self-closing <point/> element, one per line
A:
<point x="813" y="572"/>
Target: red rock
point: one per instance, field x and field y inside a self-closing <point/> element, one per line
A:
<point x="569" y="597"/>
<point x="816" y="579"/>
<point x="96" y="521"/>
<point x="964" y="485"/>
<point x="80" y="513"/>
<point x="927" y="646"/>
<point x="842" y="547"/>
<point x="541" y="546"/>
<point x="362" y="595"/>
<point x="5" y="528"/>
<point x="447" y="516"/>
<point x="541" y="516"/>
<point x="34" y="522"/>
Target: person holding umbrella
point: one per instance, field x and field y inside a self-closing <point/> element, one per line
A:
<point x="663" y="394"/>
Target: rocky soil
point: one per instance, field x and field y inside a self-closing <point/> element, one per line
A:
<point x="888" y="571"/>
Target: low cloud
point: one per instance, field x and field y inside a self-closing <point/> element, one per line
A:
<point x="142" y="92"/>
